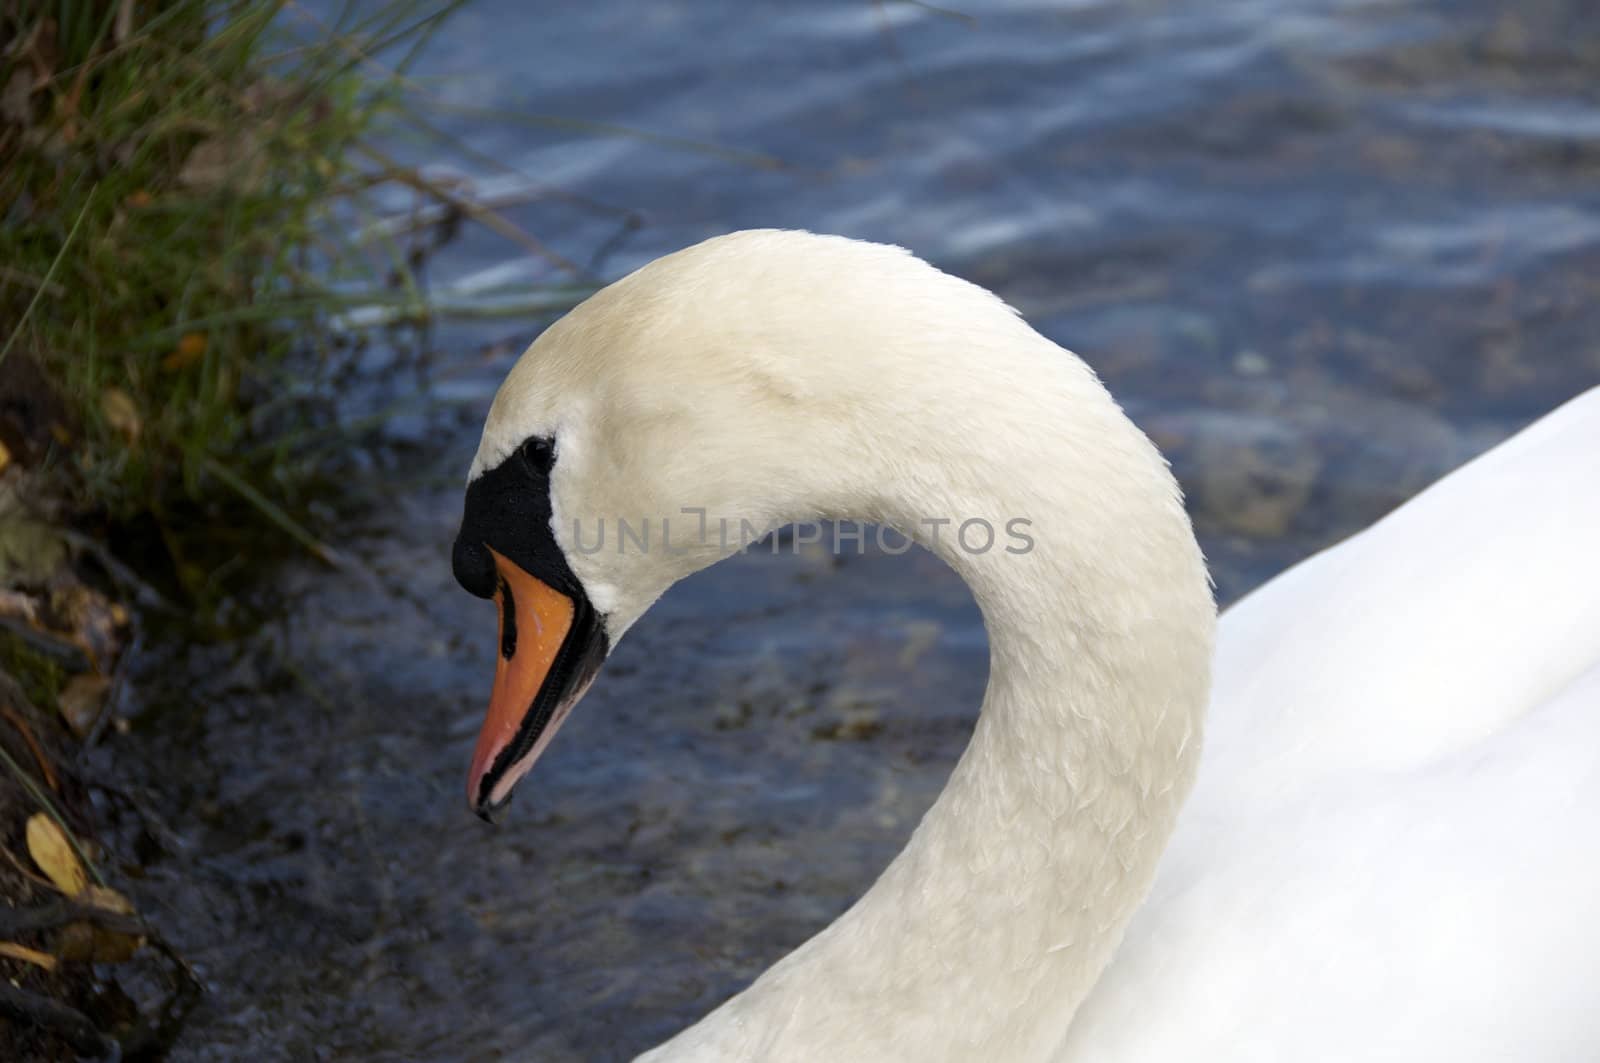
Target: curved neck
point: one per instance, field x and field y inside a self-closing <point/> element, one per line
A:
<point x="990" y="927"/>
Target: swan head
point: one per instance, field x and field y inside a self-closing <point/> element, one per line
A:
<point x="746" y="382"/>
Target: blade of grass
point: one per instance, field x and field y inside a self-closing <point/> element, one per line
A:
<point x="49" y="808"/>
<point x="487" y="218"/>
<point x="49" y="276"/>
<point x="273" y="512"/>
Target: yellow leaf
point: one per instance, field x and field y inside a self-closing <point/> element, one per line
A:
<point x="86" y="941"/>
<point x="120" y="412"/>
<point x="5" y="457"/>
<point x="107" y="899"/>
<point x="27" y="955"/>
<point x="53" y="853"/>
<point x="81" y="700"/>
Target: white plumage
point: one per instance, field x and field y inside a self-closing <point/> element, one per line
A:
<point x="1388" y="853"/>
<point x="1391" y="851"/>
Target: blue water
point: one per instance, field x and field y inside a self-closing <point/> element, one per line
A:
<point x="1323" y="251"/>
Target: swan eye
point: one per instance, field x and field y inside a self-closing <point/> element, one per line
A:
<point x="539" y="453"/>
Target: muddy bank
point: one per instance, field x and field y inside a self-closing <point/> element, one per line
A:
<point x="85" y="975"/>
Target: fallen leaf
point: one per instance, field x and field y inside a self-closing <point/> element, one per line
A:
<point x="139" y="198"/>
<point x="27" y="955"/>
<point x="84" y="942"/>
<point x="189" y="350"/>
<point x="207" y="166"/>
<point x="107" y="899"/>
<point x="111" y="946"/>
<point x="231" y="162"/>
<point x="90" y="622"/>
<point x="81" y="700"/>
<point x="120" y="413"/>
<point x="5" y="457"/>
<point x="53" y="853"/>
<point x="75" y="942"/>
<point x="30" y="553"/>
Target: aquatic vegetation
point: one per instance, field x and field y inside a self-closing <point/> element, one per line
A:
<point x="185" y="196"/>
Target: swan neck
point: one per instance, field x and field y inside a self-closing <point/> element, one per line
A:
<point x="992" y="925"/>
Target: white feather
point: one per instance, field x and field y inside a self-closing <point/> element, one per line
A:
<point x="1386" y="854"/>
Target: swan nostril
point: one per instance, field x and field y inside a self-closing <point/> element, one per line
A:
<point x="474" y="568"/>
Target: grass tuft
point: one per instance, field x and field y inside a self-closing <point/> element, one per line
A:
<point x="182" y="189"/>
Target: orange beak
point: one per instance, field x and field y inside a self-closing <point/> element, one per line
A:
<point x="535" y="621"/>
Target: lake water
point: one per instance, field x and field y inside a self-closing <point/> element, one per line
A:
<point x="1323" y="250"/>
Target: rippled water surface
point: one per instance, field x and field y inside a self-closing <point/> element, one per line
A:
<point x="1323" y="251"/>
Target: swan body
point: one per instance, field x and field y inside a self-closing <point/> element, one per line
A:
<point x="1384" y="855"/>
<point x="1390" y="851"/>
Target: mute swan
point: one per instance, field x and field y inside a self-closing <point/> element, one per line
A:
<point x="1390" y="851"/>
